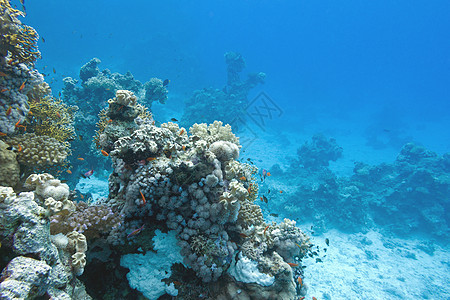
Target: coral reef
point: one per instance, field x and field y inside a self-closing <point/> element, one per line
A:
<point x="18" y="42"/>
<point x="40" y="263"/>
<point x="412" y="190"/>
<point x="193" y="185"/>
<point x="319" y="152"/>
<point x="227" y="104"/>
<point x="39" y="150"/>
<point x="9" y="167"/>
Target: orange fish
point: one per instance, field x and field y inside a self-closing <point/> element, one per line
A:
<point x="293" y="265"/>
<point x="143" y="198"/>
<point x="80" y="158"/>
<point x="110" y="120"/>
<point x="265" y="229"/>
<point x="281" y="192"/>
<point x="8" y="111"/>
<point x="314" y="298"/>
<point x="19" y="149"/>
<point x="268" y="174"/>
<point x="82" y="196"/>
<point x="184" y="148"/>
<point x="58" y="115"/>
<point x="243" y="235"/>
<point x="300" y="281"/>
<point x="3" y="74"/>
<point x="243" y="178"/>
<point x="181" y="132"/>
<point x="30" y="112"/>
<point x="22" y="86"/>
<point x="3" y="134"/>
<point x="4" y="90"/>
<point x="153" y="123"/>
<point x="17" y="124"/>
<point x="69" y="172"/>
<point x="104" y="153"/>
<point x="151" y="158"/>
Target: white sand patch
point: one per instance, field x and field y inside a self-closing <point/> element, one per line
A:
<point x="371" y="266"/>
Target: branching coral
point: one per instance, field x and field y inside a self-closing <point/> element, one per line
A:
<point x="51" y="117"/>
<point x="17" y="42"/>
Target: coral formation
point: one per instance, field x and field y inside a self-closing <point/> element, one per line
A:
<point x="193" y="185"/>
<point x="227" y="104"/>
<point x="319" y="152"/>
<point x="51" y="117"/>
<point x="18" y="42"/>
<point x="39" y="150"/>
<point x="9" y="167"/>
<point x="412" y="190"/>
<point x="25" y="228"/>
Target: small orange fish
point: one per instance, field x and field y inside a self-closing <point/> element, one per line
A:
<point x="268" y="174"/>
<point x="82" y="196"/>
<point x="181" y="132"/>
<point x="314" y="298"/>
<point x="265" y="229"/>
<point x="30" y="112"/>
<point x="243" y="178"/>
<point x="151" y="158"/>
<point x="22" y="86"/>
<point x="54" y="70"/>
<point x="153" y="123"/>
<point x="80" y="158"/>
<point x="281" y="192"/>
<point x="243" y="235"/>
<point x="293" y="265"/>
<point x="300" y="281"/>
<point x="19" y="149"/>
<point x="17" y="124"/>
<point x="58" y="115"/>
<point x="4" y="90"/>
<point x="184" y="148"/>
<point x="143" y="198"/>
<point x="69" y="172"/>
<point x="8" y="111"/>
<point x="3" y="74"/>
<point x="110" y="120"/>
<point x="3" y="134"/>
<point x="104" y="153"/>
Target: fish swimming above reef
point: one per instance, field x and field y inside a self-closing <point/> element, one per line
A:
<point x="174" y="120"/>
<point x="166" y="82"/>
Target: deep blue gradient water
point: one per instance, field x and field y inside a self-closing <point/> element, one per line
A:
<point x="341" y="56"/>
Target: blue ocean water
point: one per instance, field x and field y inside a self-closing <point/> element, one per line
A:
<point x="372" y="75"/>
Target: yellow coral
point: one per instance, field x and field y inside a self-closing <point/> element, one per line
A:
<point x="17" y="40"/>
<point x="51" y="117"/>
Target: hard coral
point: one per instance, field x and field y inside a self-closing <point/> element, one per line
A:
<point x="51" y="117"/>
<point x="18" y="42"/>
<point x="38" y="151"/>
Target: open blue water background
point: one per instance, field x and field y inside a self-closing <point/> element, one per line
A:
<point x="345" y="57"/>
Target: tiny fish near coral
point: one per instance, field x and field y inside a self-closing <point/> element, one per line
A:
<point x="136" y="232"/>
